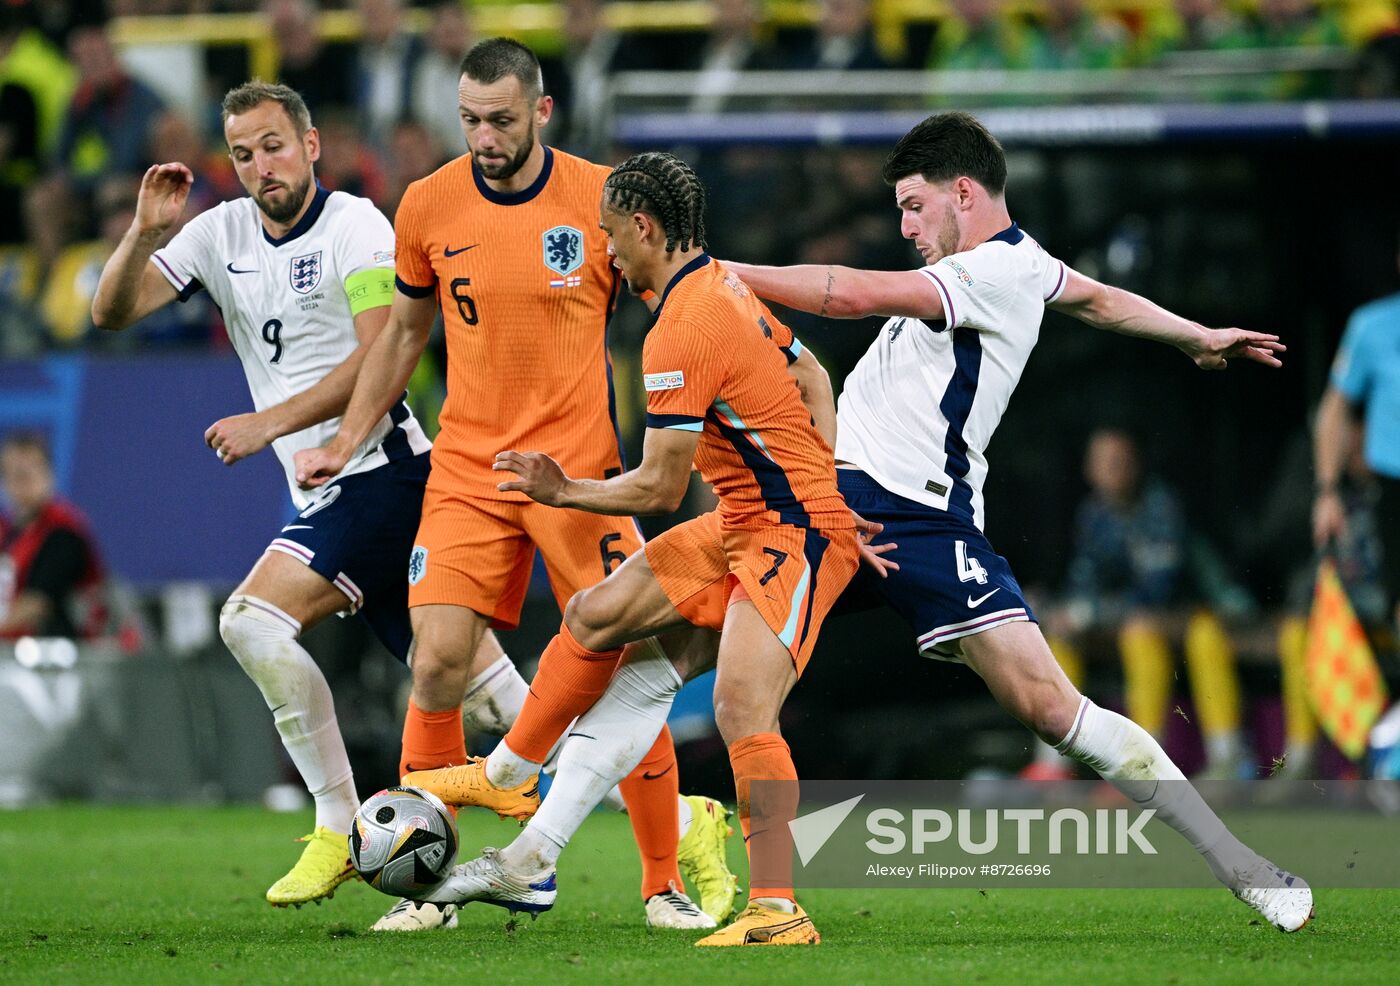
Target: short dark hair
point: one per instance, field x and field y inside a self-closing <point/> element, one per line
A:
<point x="31" y="440"/>
<point x="665" y="188"/>
<point x="255" y="92"/>
<point x="495" y="58"/>
<point x="948" y="146"/>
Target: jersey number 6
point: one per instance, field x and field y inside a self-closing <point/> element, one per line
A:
<point x="465" y="306"/>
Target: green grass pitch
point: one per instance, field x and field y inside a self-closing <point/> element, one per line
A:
<point x="174" y="895"/>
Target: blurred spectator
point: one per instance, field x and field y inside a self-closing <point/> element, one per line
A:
<point x="347" y="163"/>
<point x="1296" y="23"/>
<point x="1079" y="38"/>
<point x="111" y="114"/>
<point x="1194" y="25"/>
<point x="1130" y="576"/>
<point x="320" y="72"/>
<point x="384" y="67"/>
<point x="438" y="73"/>
<point x="35" y="86"/>
<point x="413" y="153"/>
<point x="174" y="138"/>
<point x="50" y="571"/>
<point x="844" y="39"/>
<point x="579" y="81"/>
<point x="735" y="44"/>
<point x="1365" y="385"/>
<point x="66" y="303"/>
<point x="977" y="35"/>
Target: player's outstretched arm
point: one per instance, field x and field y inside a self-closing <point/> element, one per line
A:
<point x="814" y="383"/>
<point x="657" y="486"/>
<point x="1120" y="311"/>
<point x="241" y="435"/>
<point x="843" y="292"/>
<point x="1335" y="434"/>
<point x="382" y="376"/>
<point x="131" y="287"/>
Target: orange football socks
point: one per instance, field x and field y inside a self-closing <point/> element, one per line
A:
<point x="569" y="680"/>
<point x="432" y="739"/>
<point x="765" y="813"/>
<point x="651" y="792"/>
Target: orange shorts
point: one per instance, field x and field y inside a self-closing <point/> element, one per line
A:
<point x="479" y="552"/>
<point x="792" y="575"/>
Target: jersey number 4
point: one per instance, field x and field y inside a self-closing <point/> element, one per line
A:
<point x="969" y="569"/>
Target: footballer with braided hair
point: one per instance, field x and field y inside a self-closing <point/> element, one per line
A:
<point x="663" y="186"/>
<point x="730" y="389"/>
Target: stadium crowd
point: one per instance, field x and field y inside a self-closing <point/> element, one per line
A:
<point x="77" y="128"/>
<point x="76" y="125"/>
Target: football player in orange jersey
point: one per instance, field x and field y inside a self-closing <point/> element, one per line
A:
<point x="504" y="240"/>
<point x="730" y="389"/>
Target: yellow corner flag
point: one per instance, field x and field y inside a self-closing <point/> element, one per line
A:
<point x="1344" y="681"/>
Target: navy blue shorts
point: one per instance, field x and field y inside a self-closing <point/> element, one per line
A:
<point x="358" y="534"/>
<point x="950" y="584"/>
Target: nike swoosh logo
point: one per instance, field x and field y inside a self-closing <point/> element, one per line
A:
<point x="297" y="527"/>
<point x="646" y="776"/>
<point x="234" y="270"/>
<point x="449" y="252"/>
<point x="974" y="603"/>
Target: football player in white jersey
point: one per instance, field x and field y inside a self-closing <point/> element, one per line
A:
<point x="914" y="420"/>
<point x="304" y="278"/>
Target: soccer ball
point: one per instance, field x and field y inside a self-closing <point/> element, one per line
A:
<point x="403" y="841"/>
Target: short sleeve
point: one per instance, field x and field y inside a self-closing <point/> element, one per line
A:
<point x="1053" y="278"/>
<point x="781" y="335"/>
<point x="969" y="289"/>
<point x="1353" y="371"/>
<point x="365" y="257"/>
<point x="413" y="267"/>
<point x="184" y="259"/>
<point x="683" y="372"/>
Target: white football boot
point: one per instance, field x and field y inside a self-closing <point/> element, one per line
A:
<point x="413" y="915"/>
<point x="486" y="879"/>
<point x="673" y="909"/>
<point x="1285" y="900"/>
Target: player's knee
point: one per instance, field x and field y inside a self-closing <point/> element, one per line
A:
<point x="738" y="714"/>
<point x="590" y="620"/>
<point x="255" y="630"/>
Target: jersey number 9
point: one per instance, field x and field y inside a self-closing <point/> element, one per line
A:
<point x="272" y="335"/>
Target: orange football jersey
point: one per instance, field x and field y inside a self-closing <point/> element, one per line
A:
<point x="716" y="362"/>
<point x="526" y="289"/>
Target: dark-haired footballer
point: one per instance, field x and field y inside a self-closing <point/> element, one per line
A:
<point x="731" y="390"/>
<point x="504" y="241"/>
<point x="915" y="418"/>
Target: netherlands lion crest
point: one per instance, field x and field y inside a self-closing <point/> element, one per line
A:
<point x="306" y="272"/>
<point x="417" y="564"/>
<point x="563" y="249"/>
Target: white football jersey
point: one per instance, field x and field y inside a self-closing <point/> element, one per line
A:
<point x="919" y="408"/>
<point x="289" y="310"/>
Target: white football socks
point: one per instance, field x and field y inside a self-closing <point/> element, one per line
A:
<point x="263" y="639"/>
<point x="602" y="748"/>
<point x="1129" y="758"/>
<point x="494" y="698"/>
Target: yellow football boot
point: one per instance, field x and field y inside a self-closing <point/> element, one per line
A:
<point x="467" y="785"/>
<point x="702" y="857"/>
<point x="324" y="865"/>
<point x="759" y="924"/>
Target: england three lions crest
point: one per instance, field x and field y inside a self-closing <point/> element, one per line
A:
<point x="306" y="272"/>
<point x="563" y="250"/>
